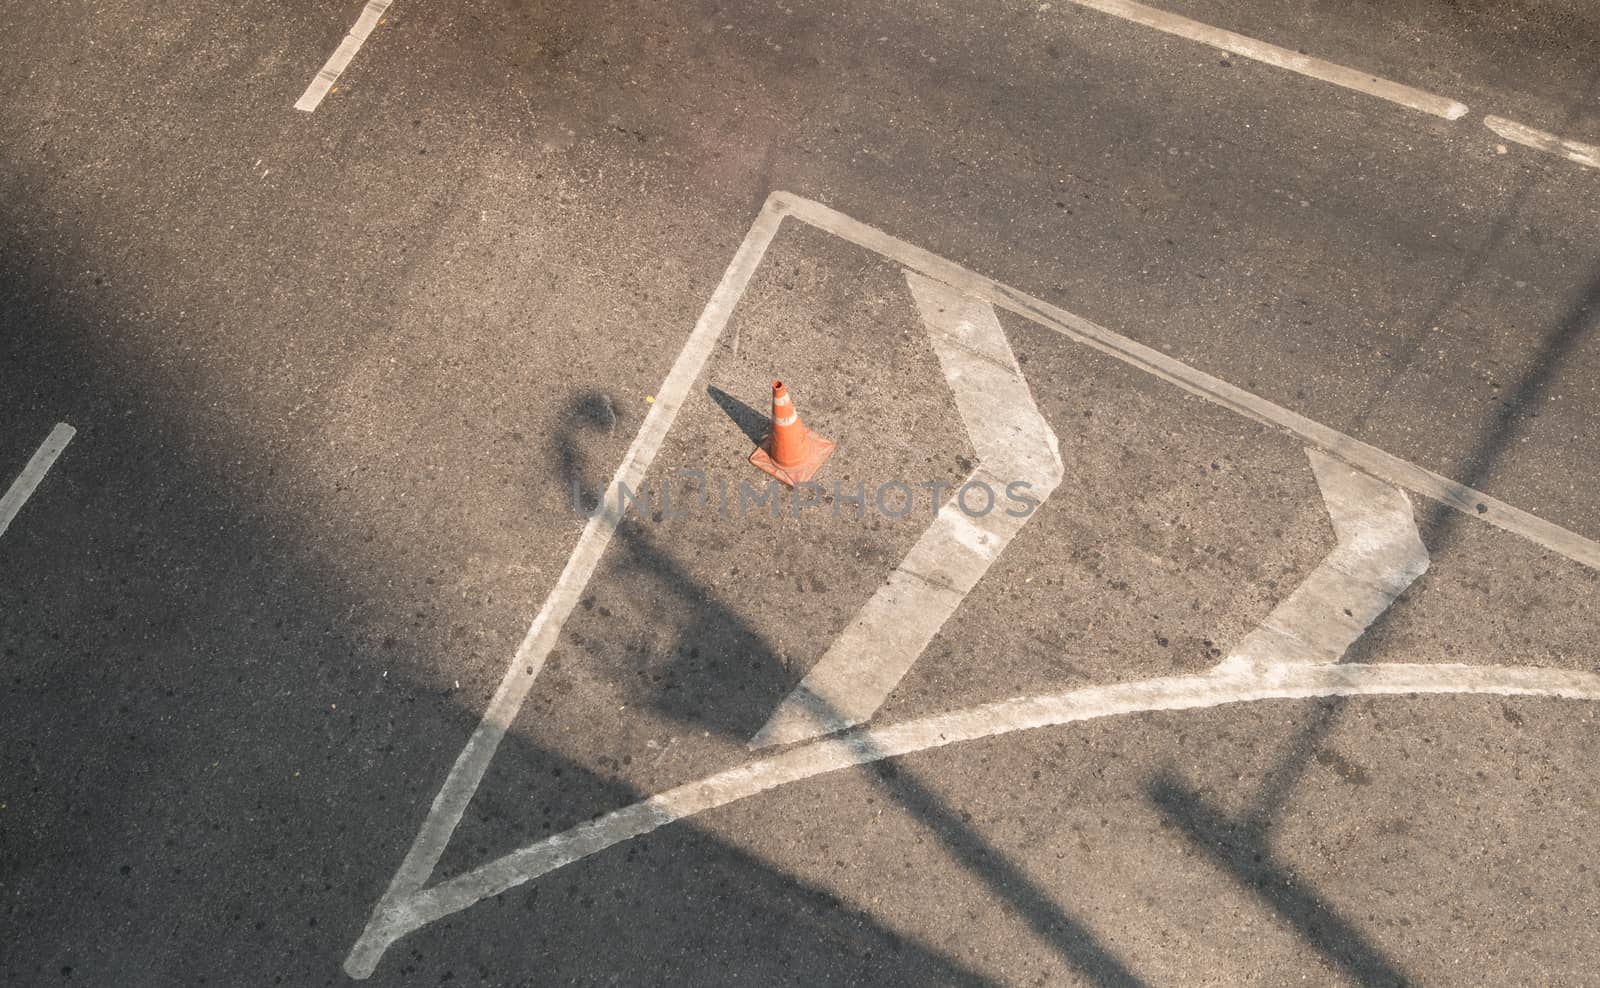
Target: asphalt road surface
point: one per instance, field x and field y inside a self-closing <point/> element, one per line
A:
<point x="319" y="324"/>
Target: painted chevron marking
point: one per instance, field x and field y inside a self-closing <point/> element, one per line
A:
<point x="1377" y="556"/>
<point x="1013" y="443"/>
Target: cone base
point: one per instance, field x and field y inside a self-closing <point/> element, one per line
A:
<point x="798" y="473"/>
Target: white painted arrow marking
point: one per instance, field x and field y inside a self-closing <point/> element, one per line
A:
<point x="1378" y="555"/>
<point x="1014" y="443"/>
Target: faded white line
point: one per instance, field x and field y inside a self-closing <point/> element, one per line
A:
<point x="1584" y="154"/>
<point x="323" y="83"/>
<point x="1220" y="687"/>
<point x="1014" y="444"/>
<point x="1343" y="76"/>
<point x="1246" y="47"/>
<point x="1377" y="556"/>
<point x="406" y="905"/>
<point x="37" y="466"/>
<point x="1360" y="455"/>
<point x="467" y="772"/>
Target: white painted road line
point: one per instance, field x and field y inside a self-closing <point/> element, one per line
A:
<point x="408" y="905"/>
<point x="1583" y="154"/>
<point x="467" y="772"/>
<point x="1260" y="51"/>
<point x="1362" y="456"/>
<point x="1014" y="444"/>
<point x="38" y="465"/>
<point x="1378" y="555"/>
<point x="1217" y="688"/>
<point x="340" y="59"/>
<point x="1409" y="97"/>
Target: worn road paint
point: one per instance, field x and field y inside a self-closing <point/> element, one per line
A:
<point x="1400" y="94"/>
<point x="467" y="772"/>
<point x="407" y="905"/>
<point x="37" y="466"/>
<point x="1217" y="688"/>
<point x="1246" y="47"/>
<point x="1360" y="455"/>
<point x="1583" y="154"/>
<point x="329" y="74"/>
<point x="1377" y="556"/>
<point x="1013" y="442"/>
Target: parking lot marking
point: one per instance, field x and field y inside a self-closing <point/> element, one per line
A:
<point x="1246" y="47"/>
<point x="329" y="74"/>
<point x="37" y="466"/>
<point x="1014" y="445"/>
<point x="1362" y="456"/>
<point x="1378" y="555"/>
<point x="1410" y="97"/>
<point x="1219" y="687"/>
<point x="1583" y="154"/>
<point x="409" y="903"/>
<point x="467" y="772"/>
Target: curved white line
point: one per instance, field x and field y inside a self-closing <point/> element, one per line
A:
<point x="1219" y="687"/>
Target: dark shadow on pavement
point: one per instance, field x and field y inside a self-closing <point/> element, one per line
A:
<point x="752" y="423"/>
<point x="591" y="411"/>
<point x="1072" y="941"/>
<point x="1520" y="403"/>
<point x="226" y="713"/>
<point x="732" y="679"/>
<point x="1241" y="849"/>
<point x="1241" y="846"/>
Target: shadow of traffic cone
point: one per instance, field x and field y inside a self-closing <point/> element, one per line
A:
<point x="791" y="453"/>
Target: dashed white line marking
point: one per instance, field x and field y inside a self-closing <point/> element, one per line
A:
<point x="323" y="83"/>
<point x="37" y="466"/>
<point x="1400" y="94"/>
<point x="1246" y="47"/>
<point x="1584" y="154"/>
<point x="1214" y="689"/>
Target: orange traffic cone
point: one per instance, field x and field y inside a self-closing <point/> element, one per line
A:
<point x="791" y="453"/>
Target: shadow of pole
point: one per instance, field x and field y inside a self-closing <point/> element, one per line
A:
<point x="765" y="675"/>
<point x="1248" y="857"/>
<point x="1240" y="847"/>
<point x="1072" y="941"/>
<point x="1491" y="247"/>
<point x="1511" y="417"/>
